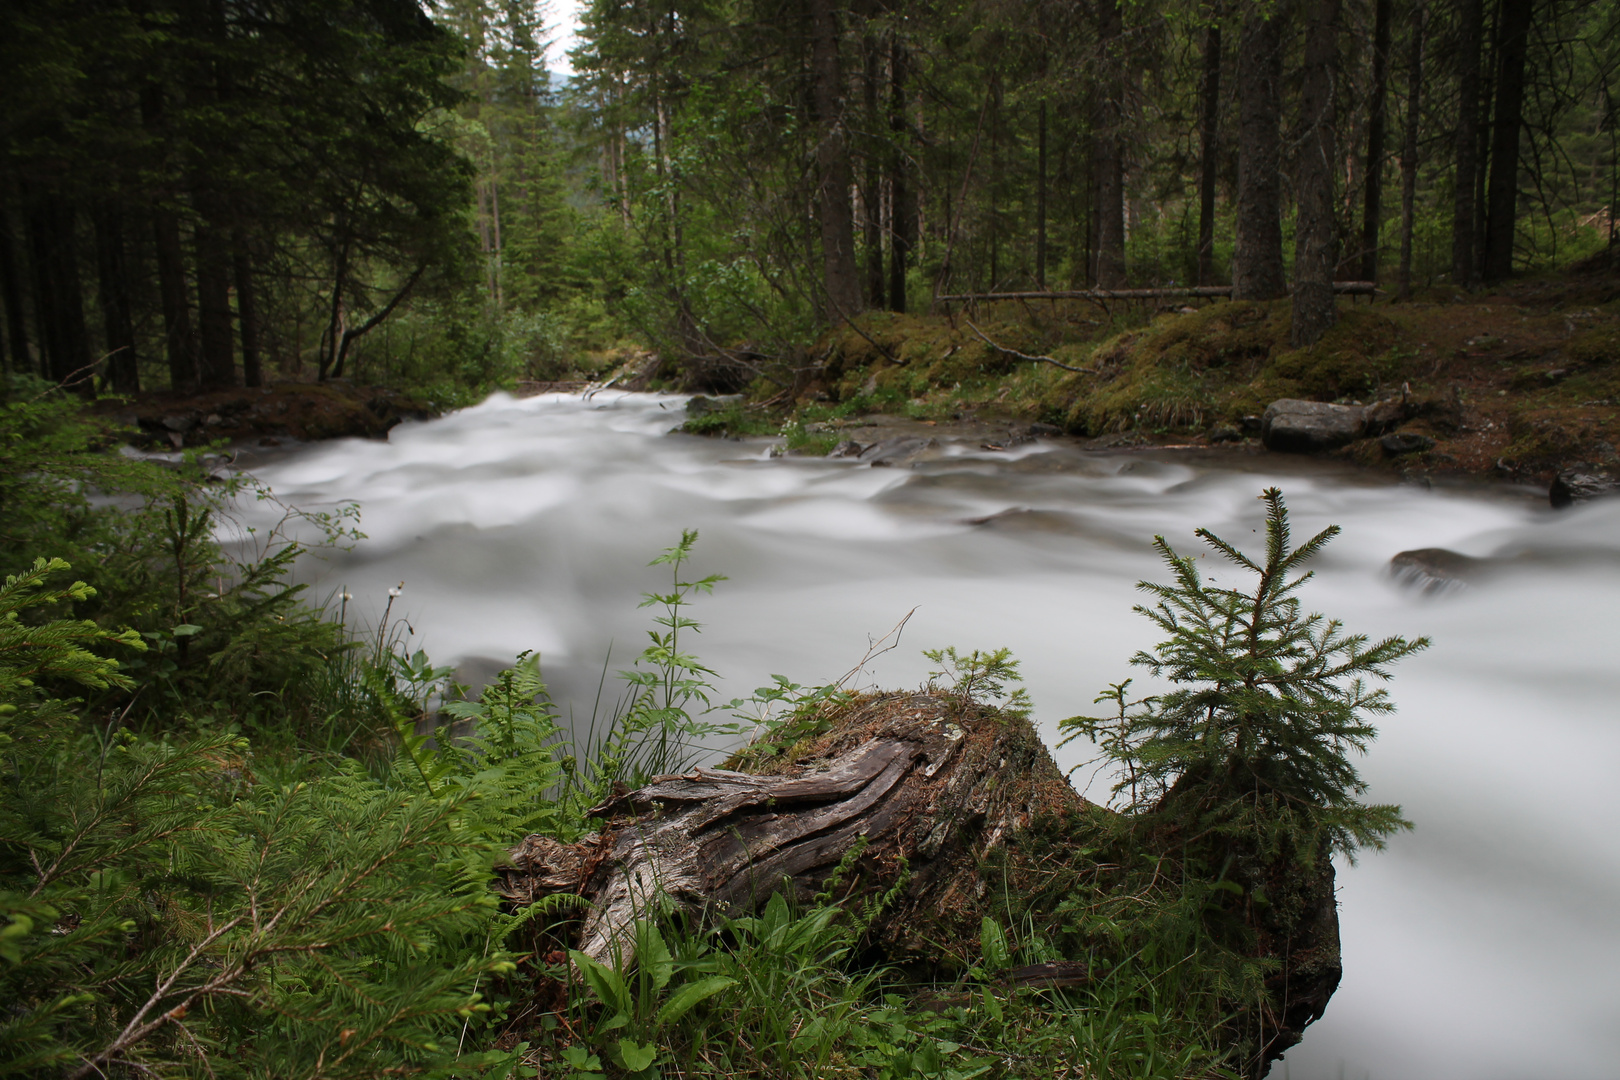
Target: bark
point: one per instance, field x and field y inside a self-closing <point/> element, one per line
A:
<point x="903" y="197"/>
<point x="841" y="278"/>
<point x="1501" y="219"/>
<point x="1316" y="249"/>
<point x="352" y="334"/>
<point x="1372" y="206"/>
<point x="1464" y="264"/>
<point x="924" y="796"/>
<point x="122" y="372"/>
<point x="1040" y="198"/>
<point x="1209" y="150"/>
<point x="11" y="294"/>
<point x="1257" y="262"/>
<point x="180" y="344"/>
<point x="247" y="309"/>
<point x="1409" y="148"/>
<point x="217" y="369"/>
<point x="1109" y="186"/>
<point x="872" y="186"/>
<point x="58" y="296"/>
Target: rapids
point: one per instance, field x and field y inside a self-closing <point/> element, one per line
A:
<point x="1484" y="945"/>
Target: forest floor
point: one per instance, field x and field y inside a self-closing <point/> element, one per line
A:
<point x="1513" y="383"/>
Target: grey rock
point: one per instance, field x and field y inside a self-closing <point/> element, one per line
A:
<point x="181" y="424"/>
<point x="1043" y="431"/>
<point x="1225" y="434"/>
<point x="1251" y="425"/>
<point x="1436" y="570"/>
<point x="1301" y="427"/>
<point x="1581" y="482"/>
<point x="847" y="448"/>
<point x="700" y="406"/>
<point x="897" y="451"/>
<point x="1397" y="443"/>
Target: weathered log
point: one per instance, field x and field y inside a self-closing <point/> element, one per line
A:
<point x="928" y="786"/>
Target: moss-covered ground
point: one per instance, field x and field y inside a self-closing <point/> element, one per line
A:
<point x="1514" y="382"/>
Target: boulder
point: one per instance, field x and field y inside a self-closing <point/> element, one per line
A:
<point x="898" y="451"/>
<point x="1224" y="434"/>
<point x="1397" y="443"/>
<point x="1436" y="570"/>
<point x="847" y="448"/>
<point x="1301" y="427"/>
<point x="1581" y="482"/>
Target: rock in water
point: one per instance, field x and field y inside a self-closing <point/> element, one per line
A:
<point x="1294" y="426"/>
<point x="1397" y="443"/>
<point x="1581" y="482"/>
<point x="1435" y="570"/>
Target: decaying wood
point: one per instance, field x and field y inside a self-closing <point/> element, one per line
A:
<point x="929" y="785"/>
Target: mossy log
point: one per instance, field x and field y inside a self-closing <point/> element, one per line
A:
<point x="930" y="786"/>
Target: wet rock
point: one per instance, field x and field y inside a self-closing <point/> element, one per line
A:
<point x="179" y="424"/>
<point x="847" y="448"/>
<point x="1251" y="425"/>
<point x="702" y="406"/>
<point x="1397" y="443"/>
<point x="1294" y="426"/>
<point x="1581" y="482"/>
<point x="1043" y="431"/>
<point x="1436" y="570"/>
<point x="897" y="452"/>
<point x="1225" y="434"/>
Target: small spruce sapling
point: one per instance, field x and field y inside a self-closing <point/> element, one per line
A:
<point x="1253" y="743"/>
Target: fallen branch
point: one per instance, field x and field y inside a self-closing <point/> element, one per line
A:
<point x="1343" y="288"/>
<point x="1025" y="356"/>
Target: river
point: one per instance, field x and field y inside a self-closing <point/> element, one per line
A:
<point x="1483" y="945"/>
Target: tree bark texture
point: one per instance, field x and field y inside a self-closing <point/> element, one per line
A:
<point x="218" y="367"/>
<point x="902" y="191"/>
<point x="1257" y="262"/>
<point x="122" y="372"/>
<point x="1502" y="202"/>
<point x="928" y="786"/>
<point x="842" y="279"/>
<point x="1109" y="185"/>
<point x="1040" y="197"/>
<point x="180" y="345"/>
<point x="247" y="309"/>
<point x="1464" y="264"/>
<point x="1209" y="115"/>
<point x="11" y="294"/>
<point x="58" y="297"/>
<point x="1409" y="148"/>
<point x="1316" y="248"/>
<point x="872" y="185"/>
<point x="1372" y="204"/>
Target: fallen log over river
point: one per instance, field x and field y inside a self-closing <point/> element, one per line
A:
<point x="911" y="797"/>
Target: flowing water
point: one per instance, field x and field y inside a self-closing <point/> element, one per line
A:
<point x="1484" y="945"/>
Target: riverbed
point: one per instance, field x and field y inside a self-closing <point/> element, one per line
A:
<point x="1483" y="945"/>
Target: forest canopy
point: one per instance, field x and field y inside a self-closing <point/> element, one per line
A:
<point x="208" y="193"/>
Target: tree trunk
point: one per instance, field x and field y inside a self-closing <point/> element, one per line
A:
<point x="1409" y="148"/>
<point x="1109" y="187"/>
<point x="1464" y="264"/>
<point x="58" y="295"/>
<point x="842" y="280"/>
<point x="903" y="233"/>
<point x="11" y="294"/>
<point x="122" y="373"/>
<point x="1209" y="149"/>
<point x="1040" y="198"/>
<point x="1501" y="218"/>
<point x="1371" y="207"/>
<point x="1257" y="262"/>
<point x="247" y="309"/>
<point x="180" y="345"/>
<point x="218" y="367"/>
<point x="872" y="187"/>
<point x="912" y="794"/>
<point x="1316" y="249"/>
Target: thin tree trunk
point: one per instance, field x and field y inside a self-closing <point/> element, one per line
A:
<point x="1464" y="264"/>
<point x="1257" y="262"/>
<point x="1316" y="249"/>
<point x="872" y="181"/>
<point x="247" y="309"/>
<point x="331" y="339"/>
<point x="903" y="215"/>
<point x="1209" y="149"/>
<point x="11" y="294"/>
<point x="58" y="296"/>
<point x="842" y="280"/>
<point x="218" y="367"/>
<point x="180" y="345"/>
<point x="1371" y="207"/>
<point x="495" y="255"/>
<point x="1040" y="198"/>
<point x="1110" y="161"/>
<point x="123" y="375"/>
<point x="1501" y="219"/>
<point x="1409" y="148"/>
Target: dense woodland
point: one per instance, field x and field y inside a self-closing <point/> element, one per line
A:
<point x="217" y="193"/>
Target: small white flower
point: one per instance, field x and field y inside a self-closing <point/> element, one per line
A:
<point x="348" y="596"/>
<point x="396" y="591"/>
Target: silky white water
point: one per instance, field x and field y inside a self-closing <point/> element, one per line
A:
<point x="1484" y="945"/>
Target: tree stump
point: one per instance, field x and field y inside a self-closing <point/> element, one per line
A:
<point x="929" y="785"/>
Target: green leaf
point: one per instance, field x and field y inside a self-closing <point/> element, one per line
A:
<point x="635" y="1056"/>
<point x="186" y="630"/>
<point x="682" y="1001"/>
<point x="608" y="985"/>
